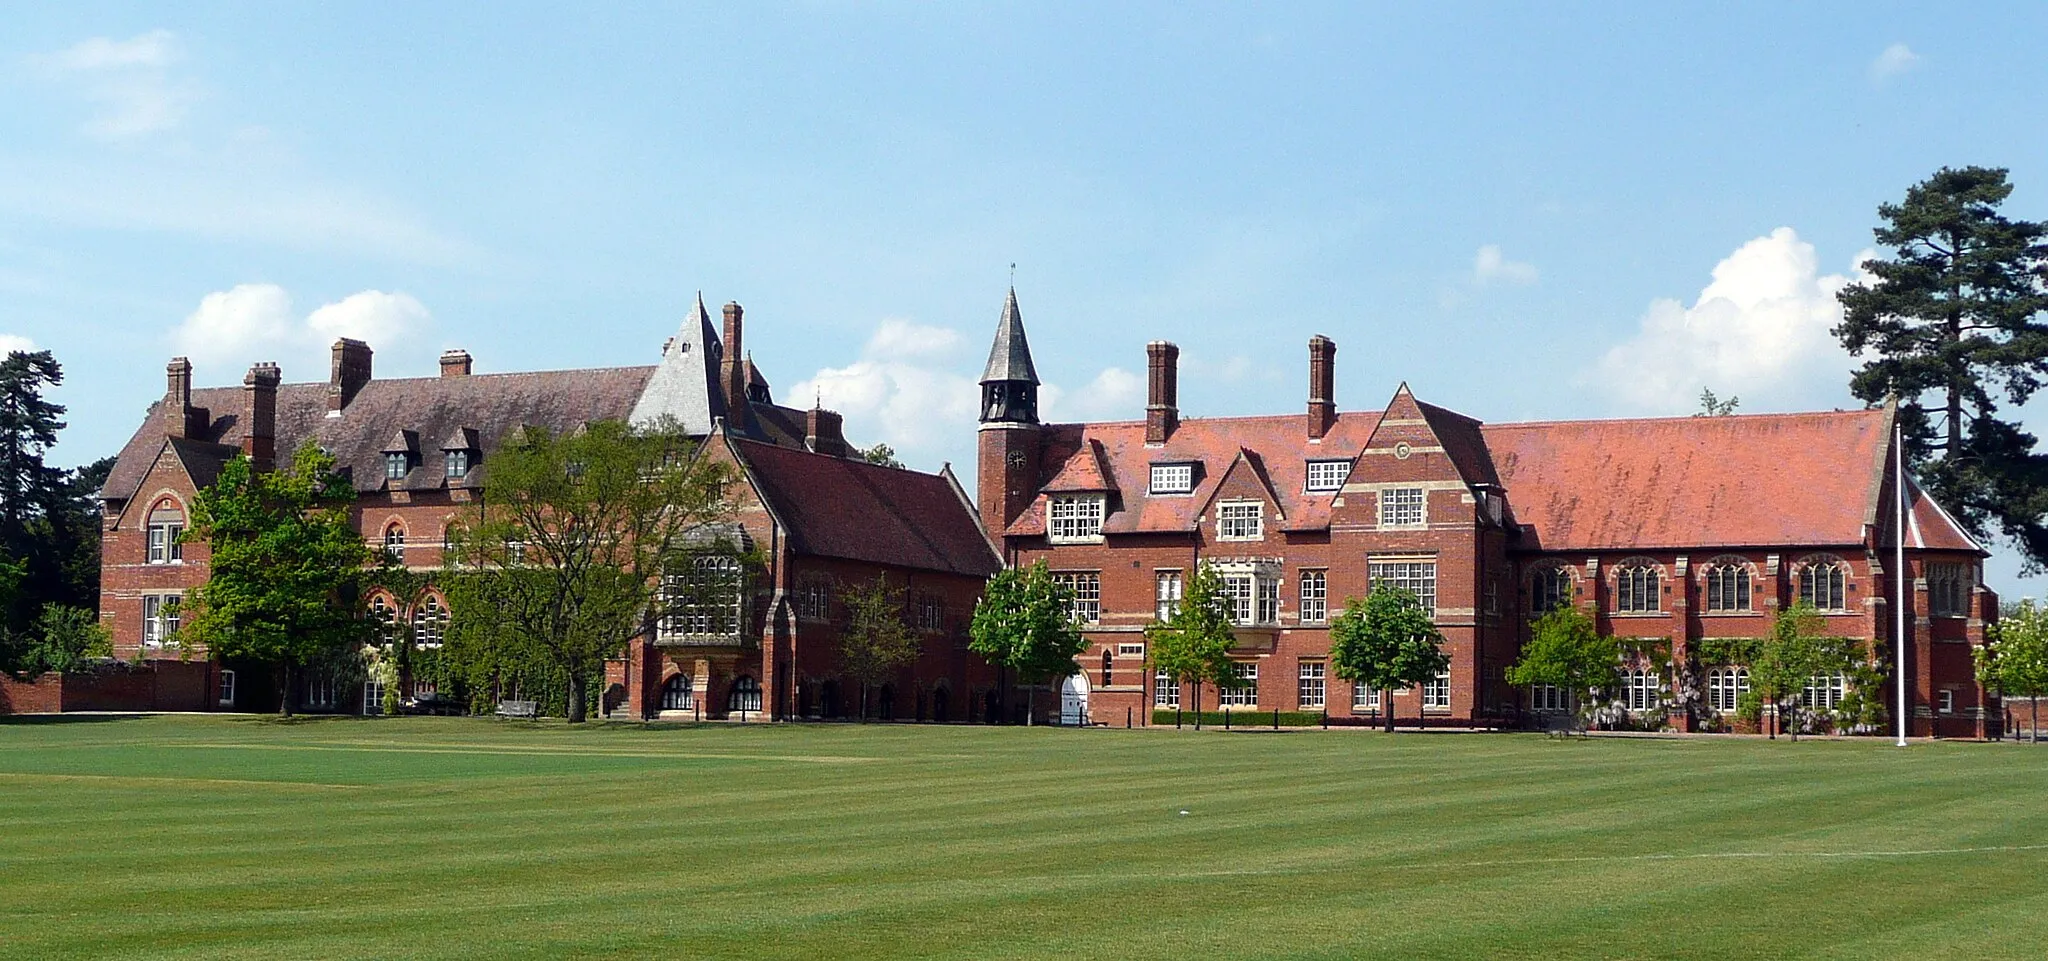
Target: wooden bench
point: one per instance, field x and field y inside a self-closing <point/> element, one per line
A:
<point x="518" y="708"/>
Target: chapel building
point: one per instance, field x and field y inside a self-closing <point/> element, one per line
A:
<point x="418" y="451"/>
<point x="1672" y="532"/>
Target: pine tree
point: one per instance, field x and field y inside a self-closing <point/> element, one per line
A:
<point x="1957" y="312"/>
<point x="31" y="492"/>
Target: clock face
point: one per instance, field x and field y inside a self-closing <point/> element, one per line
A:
<point x="1016" y="458"/>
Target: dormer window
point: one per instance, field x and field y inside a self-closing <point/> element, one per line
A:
<point x="1244" y="521"/>
<point x="401" y="455"/>
<point x="1325" y="476"/>
<point x="458" y="464"/>
<point x="458" y="453"/>
<point x="1072" y="519"/>
<point x="397" y="465"/>
<point x="1173" y="479"/>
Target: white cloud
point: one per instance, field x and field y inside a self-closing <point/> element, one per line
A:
<point x="1114" y="394"/>
<point x="1760" y="330"/>
<point x="1896" y="59"/>
<point x="1490" y="266"/>
<point x="9" y="343"/>
<point x="131" y="80"/>
<point x="250" y="322"/>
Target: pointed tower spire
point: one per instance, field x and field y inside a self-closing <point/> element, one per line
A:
<point x="1009" y="384"/>
<point x="685" y="385"/>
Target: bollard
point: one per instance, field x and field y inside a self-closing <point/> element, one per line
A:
<point x="1176" y="717"/>
<point x="1127" y="718"/>
<point x="1276" y="719"/>
<point x="1226" y="719"/>
<point x="1326" y="717"/>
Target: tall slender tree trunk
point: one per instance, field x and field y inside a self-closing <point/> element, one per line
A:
<point x="2036" y="732"/>
<point x="1387" y="709"/>
<point x="284" y="689"/>
<point x="577" y="712"/>
<point x="1031" y="706"/>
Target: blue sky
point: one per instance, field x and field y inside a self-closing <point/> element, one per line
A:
<point x="1541" y="212"/>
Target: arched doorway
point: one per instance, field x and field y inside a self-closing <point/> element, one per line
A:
<point x="939" y="699"/>
<point x="1074" y="699"/>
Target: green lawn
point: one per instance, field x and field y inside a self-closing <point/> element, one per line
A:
<point x="199" y="837"/>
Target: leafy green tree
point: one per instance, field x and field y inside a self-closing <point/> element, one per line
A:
<point x="287" y="569"/>
<point x="2014" y="658"/>
<point x="31" y="492"/>
<point x="881" y="454"/>
<point x="588" y="540"/>
<point x="1565" y="650"/>
<point x="1024" y="624"/>
<point x="1712" y="406"/>
<point x="1192" y="646"/>
<point x="1386" y="642"/>
<point x="1786" y="662"/>
<point x="876" y="643"/>
<point x="66" y="638"/>
<point x="1957" y="312"/>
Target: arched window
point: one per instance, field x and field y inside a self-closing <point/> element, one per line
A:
<point x="385" y="619"/>
<point x="451" y="536"/>
<point x="166" y="521"/>
<point x="745" y="694"/>
<point x="394" y="540"/>
<point x="1725" y="687"/>
<point x="1643" y="689"/>
<point x="1105" y="667"/>
<point x="1728" y="586"/>
<point x="1824" y="584"/>
<point x="1550" y="589"/>
<point x="678" y="695"/>
<point x="429" y="621"/>
<point x="1637" y="589"/>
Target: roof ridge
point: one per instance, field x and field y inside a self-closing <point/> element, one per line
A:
<point x="1664" y="418"/>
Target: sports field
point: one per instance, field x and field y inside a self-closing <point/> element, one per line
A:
<point x="197" y="837"/>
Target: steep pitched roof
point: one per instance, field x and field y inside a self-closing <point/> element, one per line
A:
<point x="490" y="404"/>
<point x="682" y="386"/>
<point x="1738" y="481"/>
<point x="1929" y="526"/>
<point x="1087" y="470"/>
<point x="1281" y="442"/>
<point x="839" y="507"/>
<point x="1009" y="358"/>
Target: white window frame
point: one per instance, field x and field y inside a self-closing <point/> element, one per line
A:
<point x="1246" y="696"/>
<point x="690" y="609"/>
<point x="1642" y="689"/>
<point x="1074" y="519"/>
<point x="373" y="696"/>
<point x="1167" y="587"/>
<point x="1404" y="507"/>
<point x="225" y="690"/>
<point x="1311" y="684"/>
<point x="1364" y="698"/>
<point x="396" y="466"/>
<point x="1946" y="703"/>
<point x="1414" y="573"/>
<point x="429" y="622"/>
<point x="1725" y="687"/>
<point x="1326" y="476"/>
<point x="1086" y="605"/>
<point x="160" y="619"/>
<point x="456" y="464"/>
<point x="394" y="541"/>
<point x="1241" y="521"/>
<point x="1825" y="585"/>
<point x="1314" y="596"/>
<point x="814" y="599"/>
<point x="1165" y="690"/>
<point x="1254" y="596"/>
<point x="1170" y="479"/>
<point x="1130" y="650"/>
<point x="1824" y="692"/>
<point x="322" y="692"/>
<point x="1436" y="692"/>
<point x="1549" y="699"/>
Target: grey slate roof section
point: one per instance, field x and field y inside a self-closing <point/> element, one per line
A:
<point x="682" y="386"/>
<point x="1010" y="357"/>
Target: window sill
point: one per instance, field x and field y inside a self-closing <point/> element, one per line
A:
<point x="1086" y="539"/>
<point x="1638" y="614"/>
<point x="1750" y="613"/>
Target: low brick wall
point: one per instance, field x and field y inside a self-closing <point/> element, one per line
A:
<point x="158" y="686"/>
<point x="43" y="694"/>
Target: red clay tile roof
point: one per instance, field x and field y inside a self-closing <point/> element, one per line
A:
<point x="1930" y="527"/>
<point x="840" y="507"/>
<point x="1214" y="443"/>
<point x="1746" y="480"/>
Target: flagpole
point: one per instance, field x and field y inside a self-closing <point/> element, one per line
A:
<point x="1899" y="564"/>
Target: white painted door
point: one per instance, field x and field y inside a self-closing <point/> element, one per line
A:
<point x="1074" y="699"/>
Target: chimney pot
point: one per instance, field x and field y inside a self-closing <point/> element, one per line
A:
<point x="824" y="432"/>
<point x="177" y="409"/>
<point x="347" y="373"/>
<point x="259" y="436"/>
<point x="732" y="372"/>
<point x="455" y="363"/>
<point x="1162" y="391"/>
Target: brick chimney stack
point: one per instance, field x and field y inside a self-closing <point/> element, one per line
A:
<point x="1322" y="394"/>
<point x="177" y="408"/>
<point x="348" y="372"/>
<point x="732" y="371"/>
<point x="259" y="437"/>
<point x="1162" y="391"/>
<point x="824" y="432"/>
<point x="456" y="363"/>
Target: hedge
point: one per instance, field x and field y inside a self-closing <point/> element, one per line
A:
<point x="1253" y="718"/>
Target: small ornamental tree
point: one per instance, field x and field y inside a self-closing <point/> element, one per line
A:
<point x="587" y="540"/>
<point x="287" y="571"/>
<point x="1786" y="661"/>
<point x="2014" y="658"/>
<point x="1386" y="642"/>
<point x="876" y="643"/>
<point x="1566" y="651"/>
<point x="1193" y="644"/>
<point x="1024" y="624"/>
<point x="66" y="639"/>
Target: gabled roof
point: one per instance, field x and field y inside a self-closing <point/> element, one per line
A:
<point x="851" y="509"/>
<point x="1009" y="358"/>
<point x="683" y="385"/>
<point x="1738" y="481"/>
<point x="1087" y="470"/>
<point x="1929" y="526"/>
<point x="1281" y="442"/>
